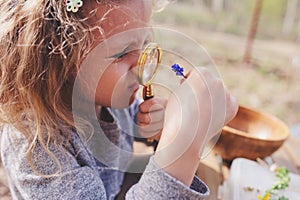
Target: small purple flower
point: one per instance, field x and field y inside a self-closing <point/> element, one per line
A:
<point x="179" y="70"/>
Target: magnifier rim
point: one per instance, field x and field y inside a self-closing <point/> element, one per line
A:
<point x="143" y="59"/>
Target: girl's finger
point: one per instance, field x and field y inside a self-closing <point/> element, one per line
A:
<point x="152" y="117"/>
<point x="153" y="104"/>
<point x="151" y="128"/>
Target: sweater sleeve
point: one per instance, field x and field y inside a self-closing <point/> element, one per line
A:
<point x="155" y="183"/>
<point x="80" y="183"/>
<point x="72" y="181"/>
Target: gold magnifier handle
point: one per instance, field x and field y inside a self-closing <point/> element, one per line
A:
<point x="148" y="92"/>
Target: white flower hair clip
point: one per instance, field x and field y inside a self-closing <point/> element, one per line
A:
<point x="73" y="5"/>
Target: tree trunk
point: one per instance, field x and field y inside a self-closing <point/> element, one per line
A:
<point x="252" y="30"/>
<point x="289" y="17"/>
<point x="230" y="4"/>
<point x="217" y="5"/>
<point x="298" y="32"/>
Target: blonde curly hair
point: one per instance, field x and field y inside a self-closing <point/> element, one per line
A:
<point x="41" y="46"/>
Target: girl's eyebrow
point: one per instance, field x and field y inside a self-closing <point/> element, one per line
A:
<point x="130" y="45"/>
<point x="125" y="48"/>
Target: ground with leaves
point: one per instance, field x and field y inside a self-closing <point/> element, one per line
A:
<point x="270" y="83"/>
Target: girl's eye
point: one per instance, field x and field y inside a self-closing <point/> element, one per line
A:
<point x="146" y="43"/>
<point x="120" y="55"/>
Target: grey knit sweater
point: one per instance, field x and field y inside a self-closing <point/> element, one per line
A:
<point x="82" y="176"/>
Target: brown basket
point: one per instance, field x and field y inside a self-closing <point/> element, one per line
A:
<point x="251" y="134"/>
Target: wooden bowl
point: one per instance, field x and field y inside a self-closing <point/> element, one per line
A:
<point x="251" y="134"/>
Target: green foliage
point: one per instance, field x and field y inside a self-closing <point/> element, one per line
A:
<point x="283" y="182"/>
<point x="235" y="17"/>
<point x="274" y="8"/>
<point x="271" y="19"/>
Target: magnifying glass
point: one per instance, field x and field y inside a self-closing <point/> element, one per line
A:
<point x="148" y="65"/>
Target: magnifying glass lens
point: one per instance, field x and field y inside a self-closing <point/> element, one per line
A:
<point x="150" y="65"/>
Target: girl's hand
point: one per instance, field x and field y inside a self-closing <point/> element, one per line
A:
<point x="150" y="117"/>
<point x="195" y="112"/>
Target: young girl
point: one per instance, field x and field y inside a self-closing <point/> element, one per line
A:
<point x="68" y="74"/>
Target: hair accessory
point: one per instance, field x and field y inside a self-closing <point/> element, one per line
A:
<point x="179" y="70"/>
<point x="73" y="5"/>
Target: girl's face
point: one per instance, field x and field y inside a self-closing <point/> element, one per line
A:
<point x="112" y="82"/>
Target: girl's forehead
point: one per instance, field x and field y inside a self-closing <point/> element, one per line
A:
<point x="117" y="11"/>
<point x="115" y="18"/>
<point x="119" y="25"/>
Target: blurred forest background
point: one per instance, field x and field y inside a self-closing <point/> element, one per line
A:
<point x="263" y="73"/>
